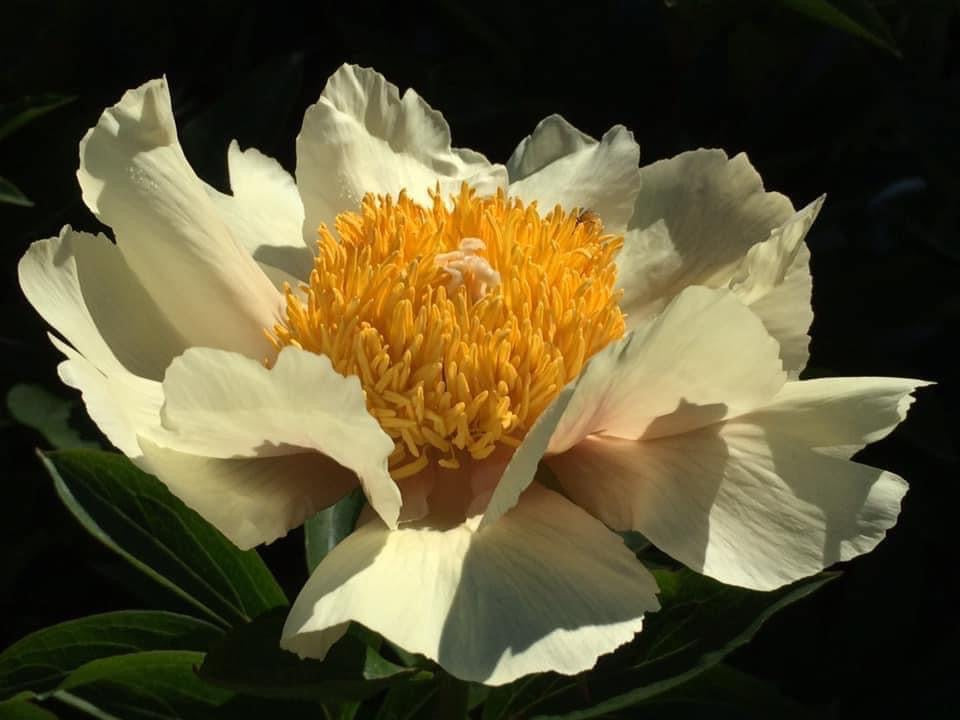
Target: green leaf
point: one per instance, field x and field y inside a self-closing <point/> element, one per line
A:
<point x="823" y="12"/>
<point x="20" y="708"/>
<point x="700" y="623"/>
<point x="452" y="699"/>
<point x="41" y="660"/>
<point x="163" y="685"/>
<point x="408" y="700"/>
<point x="11" y="194"/>
<point x="135" y="515"/>
<point x="331" y="525"/>
<point x="249" y="660"/>
<point x="15" y="115"/>
<point x="725" y="693"/>
<point x="153" y="684"/>
<point x="342" y="711"/>
<point x="24" y="710"/>
<point x="49" y="414"/>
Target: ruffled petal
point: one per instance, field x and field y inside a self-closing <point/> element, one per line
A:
<point x="265" y="213"/>
<point x="786" y="312"/>
<point x="774" y="280"/>
<point x="701" y="219"/>
<point x="839" y="416"/>
<point x="224" y="405"/>
<point x="83" y="287"/>
<point x="363" y="137"/>
<point x="705" y="358"/>
<point x="121" y="404"/>
<point x="759" y="501"/>
<point x="135" y="178"/>
<point x="545" y="588"/>
<point x="559" y="165"/>
<point x="251" y="500"/>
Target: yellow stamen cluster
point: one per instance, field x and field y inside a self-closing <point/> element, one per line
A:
<point x="462" y="320"/>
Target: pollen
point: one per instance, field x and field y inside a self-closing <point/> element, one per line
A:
<point x="463" y="319"/>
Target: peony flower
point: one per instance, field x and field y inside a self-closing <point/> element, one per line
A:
<point x="512" y="362"/>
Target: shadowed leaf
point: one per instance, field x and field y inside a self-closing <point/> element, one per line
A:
<point x="135" y="515"/>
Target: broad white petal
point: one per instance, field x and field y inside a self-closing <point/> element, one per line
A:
<point x="363" y="137"/>
<point x="787" y="314"/>
<point x="251" y="500"/>
<point x="83" y="287"/>
<point x="135" y="178"/>
<point x="547" y="587"/>
<point x="265" y="213"/>
<point x="705" y="358"/>
<point x="281" y="279"/>
<point x="224" y="405"/>
<point x="121" y="404"/>
<point x="839" y="416"/>
<point x="695" y="218"/>
<point x="559" y="165"/>
<point x="759" y="501"/>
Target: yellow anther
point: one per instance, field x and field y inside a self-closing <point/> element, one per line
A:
<point x="462" y="320"/>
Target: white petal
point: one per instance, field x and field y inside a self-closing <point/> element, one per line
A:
<point x="766" y="264"/>
<point x="695" y="219"/>
<point x="251" y="500"/>
<point x="519" y="471"/>
<point x="706" y="357"/>
<point x="83" y="287"/>
<point x="135" y="178"/>
<point x="282" y="279"/>
<point x="761" y="281"/>
<point x="755" y="501"/>
<point x="559" y="165"/>
<point x="265" y="213"/>
<point x="787" y="314"/>
<point x="545" y="588"/>
<point x="121" y="404"/>
<point x="363" y="137"/>
<point x="224" y="405"/>
<point x="841" y="415"/>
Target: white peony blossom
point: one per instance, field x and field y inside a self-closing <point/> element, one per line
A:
<point x="410" y="317"/>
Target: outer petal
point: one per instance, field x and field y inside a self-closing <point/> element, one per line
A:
<point x="753" y="502"/>
<point x="83" y="287"/>
<point x="701" y="219"/>
<point x="545" y="588"/>
<point x="787" y="314"/>
<point x="265" y="213"/>
<point x="121" y="404"/>
<point x="694" y="220"/>
<point x="224" y="405"/>
<point x="136" y="179"/>
<point x="839" y="416"/>
<point x="363" y="137"/>
<point x="251" y="500"/>
<point x="559" y="165"/>
<point x="706" y="357"/>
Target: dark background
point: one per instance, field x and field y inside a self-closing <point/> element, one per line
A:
<point x="816" y="108"/>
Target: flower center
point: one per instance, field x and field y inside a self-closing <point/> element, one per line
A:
<point x="462" y="320"/>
